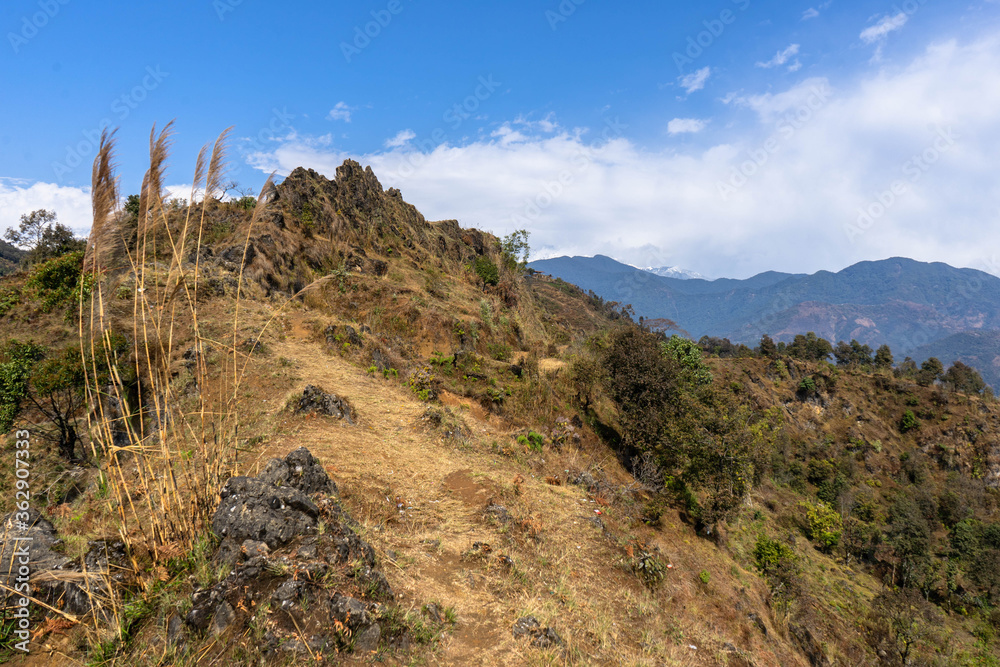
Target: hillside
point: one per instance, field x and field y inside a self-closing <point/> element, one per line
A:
<point x="479" y="493"/>
<point x="10" y="257"/>
<point x="979" y="349"/>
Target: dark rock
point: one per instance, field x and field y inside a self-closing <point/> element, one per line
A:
<point x="547" y="638"/>
<point x="175" y="630"/>
<point x="307" y="552"/>
<point x="237" y="257"/>
<point x="350" y="547"/>
<point x="295" y="646"/>
<point x="349" y="611"/>
<point x="375" y="583"/>
<point x="541" y="637"/>
<point x="39" y="541"/>
<point x="366" y="641"/>
<point x="315" y="401"/>
<point x="203" y="607"/>
<point x="223" y="618"/>
<point x="378" y="267"/>
<point x="433" y="612"/>
<point x="253" y="549"/>
<point x="252" y="509"/>
<point x="379" y="361"/>
<point x="41" y="536"/>
<point x="289" y="593"/>
<point x="301" y="470"/>
<point x="353" y="337"/>
<point x="528" y="625"/>
<point x="586" y="480"/>
<point x="498" y="513"/>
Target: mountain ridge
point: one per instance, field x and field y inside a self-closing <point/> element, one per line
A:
<point x="898" y="301"/>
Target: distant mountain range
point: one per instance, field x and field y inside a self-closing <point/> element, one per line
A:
<point x="919" y="309"/>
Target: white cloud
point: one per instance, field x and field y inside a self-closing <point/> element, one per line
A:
<point x="696" y="80"/>
<point x="72" y="205"/>
<point x="547" y="124"/>
<point x="341" y="112"/>
<point x="402" y="138"/>
<point x="879" y="31"/>
<point x="810" y="13"/>
<point x="818" y="156"/>
<point x="686" y="125"/>
<point x="781" y="57"/>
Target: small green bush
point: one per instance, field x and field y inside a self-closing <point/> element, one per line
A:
<point x="772" y="555"/>
<point x="15" y="373"/>
<point x="487" y="270"/>
<point x="824" y="524"/>
<point x="533" y="441"/>
<point x="60" y="281"/>
<point x="908" y="422"/>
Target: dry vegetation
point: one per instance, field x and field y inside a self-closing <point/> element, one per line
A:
<point x="482" y="465"/>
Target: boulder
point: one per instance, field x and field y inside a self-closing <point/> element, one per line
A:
<point x="315" y="401"/>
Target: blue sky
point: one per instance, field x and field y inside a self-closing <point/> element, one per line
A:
<point x="729" y="137"/>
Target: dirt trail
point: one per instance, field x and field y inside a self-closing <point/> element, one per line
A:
<point x="392" y="468"/>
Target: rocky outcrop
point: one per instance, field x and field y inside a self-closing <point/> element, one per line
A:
<point x="295" y="558"/>
<point x="69" y="585"/>
<point x="316" y="401"/>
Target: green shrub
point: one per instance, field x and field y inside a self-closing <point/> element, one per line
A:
<point x="824" y="524"/>
<point x="689" y="356"/>
<point x="15" y="373"/>
<point x="908" y="422"/>
<point x="772" y="555"/>
<point x="60" y="281"/>
<point x="487" y="270"/>
<point x="533" y="441"/>
<point x="705" y="577"/>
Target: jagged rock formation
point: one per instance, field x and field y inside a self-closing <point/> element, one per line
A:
<point x="318" y="589"/>
<point x="314" y="226"/>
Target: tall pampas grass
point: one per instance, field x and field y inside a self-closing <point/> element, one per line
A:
<point x="165" y="463"/>
<point x="164" y="455"/>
